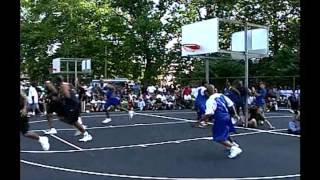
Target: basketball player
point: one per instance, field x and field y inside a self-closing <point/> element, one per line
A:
<point x="111" y="100"/>
<point x="70" y="111"/>
<point x="217" y="109"/>
<point x="24" y="125"/>
<point x="200" y="105"/>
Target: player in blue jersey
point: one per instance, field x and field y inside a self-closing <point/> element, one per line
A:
<point x="111" y="100"/>
<point x="217" y="109"/>
<point x="200" y="104"/>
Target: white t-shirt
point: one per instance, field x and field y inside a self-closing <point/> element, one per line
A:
<point x="161" y="97"/>
<point x="151" y="89"/>
<point x="160" y="89"/>
<point x="195" y="91"/>
<point x="33" y="92"/>
<point x="141" y="103"/>
<point x="211" y="104"/>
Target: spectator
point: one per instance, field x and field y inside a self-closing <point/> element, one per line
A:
<point x="33" y="99"/>
<point x="257" y="119"/>
<point x="293" y="102"/>
<point x="260" y="97"/>
<point x="136" y="88"/>
<point x="161" y="101"/>
<point x="82" y="97"/>
<point x="141" y="104"/>
<point x="294" y="127"/>
<point x="234" y="94"/>
<point x="151" y="89"/>
<point x="271" y="100"/>
<point x="171" y="101"/>
<point x="186" y="93"/>
<point x="243" y="91"/>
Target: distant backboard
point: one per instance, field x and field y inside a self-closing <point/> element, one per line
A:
<point x="204" y="34"/>
<point x="86" y="65"/>
<point x="71" y="65"/>
<point x="257" y="43"/>
<point x="56" y="65"/>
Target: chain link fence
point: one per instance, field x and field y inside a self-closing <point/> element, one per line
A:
<point x="280" y="82"/>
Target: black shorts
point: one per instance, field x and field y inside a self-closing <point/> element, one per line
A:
<point x="24" y="124"/>
<point x="70" y="116"/>
<point x="52" y="107"/>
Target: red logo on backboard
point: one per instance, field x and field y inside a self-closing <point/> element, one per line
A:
<point x="191" y="47"/>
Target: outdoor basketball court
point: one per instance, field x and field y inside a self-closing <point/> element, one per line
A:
<point x="159" y="145"/>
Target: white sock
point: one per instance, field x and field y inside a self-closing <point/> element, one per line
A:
<point x="79" y="120"/>
<point x="40" y="138"/>
<point x="85" y="133"/>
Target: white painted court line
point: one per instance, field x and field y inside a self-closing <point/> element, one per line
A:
<point x="270" y="117"/>
<point x="271" y="131"/>
<point x="166" y="117"/>
<point x="114" y="115"/>
<point x="147" y="177"/>
<point x="252" y="129"/>
<point x="64" y="141"/>
<point x="137" y="145"/>
<point x="119" y="126"/>
<point x="285" y="134"/>
<point x="31" y="122"/>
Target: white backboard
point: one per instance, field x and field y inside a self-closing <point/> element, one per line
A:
<point x="203" y="33"/>
<point x="257" y="43"/>
<point x="56" y="65"/>
<point x="86" y="65"/>
<point x="206" y="35"/>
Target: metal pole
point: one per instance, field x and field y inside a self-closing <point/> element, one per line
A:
<point x="207" y="70"/>
<point x="75" y="73"/>
<point x="67" y="71"/>
<point x="105" y="62"/>
<point x="246" y="73"/>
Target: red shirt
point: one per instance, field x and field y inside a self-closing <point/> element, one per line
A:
<point x="187" y="91"/>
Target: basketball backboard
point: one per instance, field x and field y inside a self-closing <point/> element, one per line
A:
<point x="257" y="43"/>
<point x="209" y="36"/>
<point x="56" y="65"/>
<point x="86" y="65"/>
<point x="204" y="34"/>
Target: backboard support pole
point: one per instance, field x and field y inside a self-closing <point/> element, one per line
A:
<point x="246" y="73"/>
<point x="207" y="70"/>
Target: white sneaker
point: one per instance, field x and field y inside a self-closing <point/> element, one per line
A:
<point x="86" y="137"/>
<point x="107" y="120"/>
<point x="131" y="113"/>
<point x="51" y="131"/>
<point x="80" y="120"/>
<point x="44" y="141"/>
<point x="234" y="121"/>
<point x="77" y="133"/>
<point x="234" y="152"/>
<point x="234" y="144"/>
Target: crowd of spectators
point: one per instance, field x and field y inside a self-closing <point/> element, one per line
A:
<point x="158" y="97"/>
